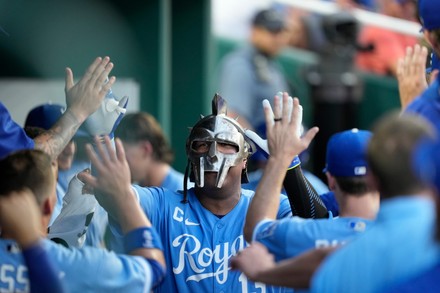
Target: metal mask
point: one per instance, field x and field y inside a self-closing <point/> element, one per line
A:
<point x="202" y="145"/>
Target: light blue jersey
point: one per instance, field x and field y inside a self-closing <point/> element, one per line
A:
<point x="82" y="270"/>
<point x="287" y="238"/>
<point x="398" y="246"/>
<point x="198" y="244"/>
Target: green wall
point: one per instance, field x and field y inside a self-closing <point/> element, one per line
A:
<point x="380" y="93"/>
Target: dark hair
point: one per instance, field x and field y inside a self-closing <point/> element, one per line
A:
<point x="390" y="151"/>
<point x="140" y="126"/>
<point x="436" y="36"/>
<point x="356" y="185"/>
<point x="27" y="168"/>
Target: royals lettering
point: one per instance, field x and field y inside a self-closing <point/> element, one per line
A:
<point x="200" y="259"/>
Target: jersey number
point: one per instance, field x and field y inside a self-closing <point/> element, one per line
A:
<point x="244" y="285"/>
<point x="13" y="279"/>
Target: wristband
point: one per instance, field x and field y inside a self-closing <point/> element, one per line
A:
<point x="144" y="237"/>
<point x="295" y="163"/>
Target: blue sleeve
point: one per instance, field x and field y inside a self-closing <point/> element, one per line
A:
<point x="426" y="282"/>
<point x="284" y="238"/>
<point x="330" y="203"/>
<point x="44" y="276"/>
<point x="12" y="136"/>
<point x="149" y="199"/>
<point x="428" y="105"/>
<point x="158" y="272"/>
<point x="91" y="269"/>
<point x="272" y="235"/>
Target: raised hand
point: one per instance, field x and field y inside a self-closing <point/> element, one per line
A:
<point x="85" y="97"/>
<point x="283" y="127"/>
<point x="113" y="182"/>
<point x="411" y="74"/>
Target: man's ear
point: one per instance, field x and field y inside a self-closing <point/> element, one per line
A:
<point x="147" y="148"/>
<point x="331" y="181"/>
<point x="48" y="206"/>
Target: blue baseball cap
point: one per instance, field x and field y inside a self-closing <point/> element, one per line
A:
<point x="46" y="115"/>
<point x="347" y="153"/>
<point x="429" y="11"/>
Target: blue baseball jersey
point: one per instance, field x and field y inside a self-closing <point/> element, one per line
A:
<point x="330" y="203"/>
<point x="12" y="136"/>
<point x="428" y="104"/>
<point x="198" y="244"/>
<point x="289" y="237"/>
<point x="426" y="282"/>
<point x="82" y="270"/>
<point x="398" y="246"/>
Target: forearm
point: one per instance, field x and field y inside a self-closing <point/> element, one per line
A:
<point x="54" y="140"/>
<point x="303" y="198"/>
<point x="126" y="211"/>
<point x="139" y="235"/>
<point x="296" y="272"/>
<point x="266" y="200"/>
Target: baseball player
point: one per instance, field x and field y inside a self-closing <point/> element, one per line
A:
<point x="149" y="154"/>
<point x="43" y="274"/>
<point x="203" y="227"/>
<point x="346" y="169"/>
<point x="427" y="104"/>
<point x="398" y="246"/>
<point x="88" y="269"/>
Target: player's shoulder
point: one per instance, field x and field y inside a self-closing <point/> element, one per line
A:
<point x="247" y="194"/>
<point x="239" y="57"/>
<point x="156" y="192"/>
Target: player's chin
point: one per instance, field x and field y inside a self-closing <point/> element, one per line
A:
<point x="211" y="180"/>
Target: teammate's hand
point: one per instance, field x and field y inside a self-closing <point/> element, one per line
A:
<point x="105" y="120"/>
<point x="112" y="182"/>
<point x="85" y="97"/>
<point x="411" y="75"/>
<point x="283" y="129"/>
<point x="26" y="230"/>
<point x="264" y="148"/>
<point x="253" y="260"/>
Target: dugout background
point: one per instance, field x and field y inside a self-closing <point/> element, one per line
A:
<point x="165" y="46"/>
